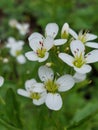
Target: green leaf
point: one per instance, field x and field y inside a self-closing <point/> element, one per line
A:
<point x="83" y="114"/>
<point x="12" y="109"/>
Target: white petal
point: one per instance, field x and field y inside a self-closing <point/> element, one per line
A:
<point x="35" y="42"/>
<point x="65" y="28"/>
<point x="18" y="26"/>
<point x="41" y="100"/>
<point x="23" y="93"/>
<point x="90" y="37"/>
<point x="10" y="42"/>
<point x="84" y="69"/>
<point x="92" y="56"/>
<point x="44" y="58"/>
<point x="53" y="101"/>
<point x="79" y="77"/>
<point x="51" y="30"/>
<point x="73" y="33"/>
<point x="65" y="82"/>
<point x="66" y="58"/>
<point x="31" y="55"/>
<point x="35" y="35"/>
<point x="60" y="42"/>
<point x="48" y="43"/>
<point x="29" y="84"/>
<point x="77" y="47"/>
<point x="39" y="88"/>
<point x="92" y="44"/>
<point x="1" y="81"/>
<point x="20" y="42"/>
<point x="21" y="59"/>
<point x="45" y="73"/>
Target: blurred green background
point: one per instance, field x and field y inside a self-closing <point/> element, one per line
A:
<point x="80" y="105"/>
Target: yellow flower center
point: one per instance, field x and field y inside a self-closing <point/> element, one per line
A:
<point x="18" y="52"/>
<point x="79" y="60"/>
<point x="82" y="36"/>
<point x="35" y="96"/>
<point x="41" y="52"/>
<point x="64" y="35"/>
<point x="51" y="86"/>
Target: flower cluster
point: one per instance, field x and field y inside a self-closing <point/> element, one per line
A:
<point x="16" y="49"/>
<point x="50" y="86"/>
<point x="23" y="28"/>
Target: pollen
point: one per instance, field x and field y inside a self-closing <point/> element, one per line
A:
<point x="35" y="96"/>
<point x="79" y="61"/>
<point x="51" y="86"/>
<point x="41" y="52"/>
<point x="18" y="52"/>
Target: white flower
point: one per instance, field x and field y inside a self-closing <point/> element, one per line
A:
<point x="16" y="49"/>
<point x="13" y="23"/>
<point x="84" y="37"/>
<point x="53" y="99"/>
<point x="41" y="45"/>
<point x="22" y="28"/>
<point x="80" y="61"/>
<point x="1" y="81"/>
<point x="34" y="90"/>
<point x="79" y="77"/>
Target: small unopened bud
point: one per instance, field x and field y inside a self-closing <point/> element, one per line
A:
<point x="5" y="60"/>
<point x="65" y="31"/>
<point x="49" y="64"/>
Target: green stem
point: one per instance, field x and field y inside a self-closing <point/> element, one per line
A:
<point x="8" y="125"/>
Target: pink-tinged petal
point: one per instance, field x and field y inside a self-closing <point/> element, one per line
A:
<point x="60" y="42"/>
<point x="53" y="101"/>
<point x="65" y="83"/>
<point x="92" y="44"/>
<point x="31" y="55"/>
<point x="29" y="84"/>
<point x="84" y="69"/>
<point x="45" y="73"/>
<point x="41" y="100"/>
<point x="23" y="93"/>
<point x="51" y="30"/>
<point x="92" y="56"/>
<point x="1" y="81"/>
<point x="48" y="43"/>
<point x="73" y="33"/>
<point x="66" y="58"/>
<point x="90" y="37"/>
<point x="79" y="77"/>
<point x="77" y="47"/>
<point x="44" y="58"/>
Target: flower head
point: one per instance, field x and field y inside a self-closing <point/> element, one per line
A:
<point x="80" y="61"/>
<point x="16" y="49"/>
<point x="34" y="90"/>
<point x="23" y="28"/>
<point x="54" y="86"/>
<point x="41" y="45"/>
<point x="84" y="37"/>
